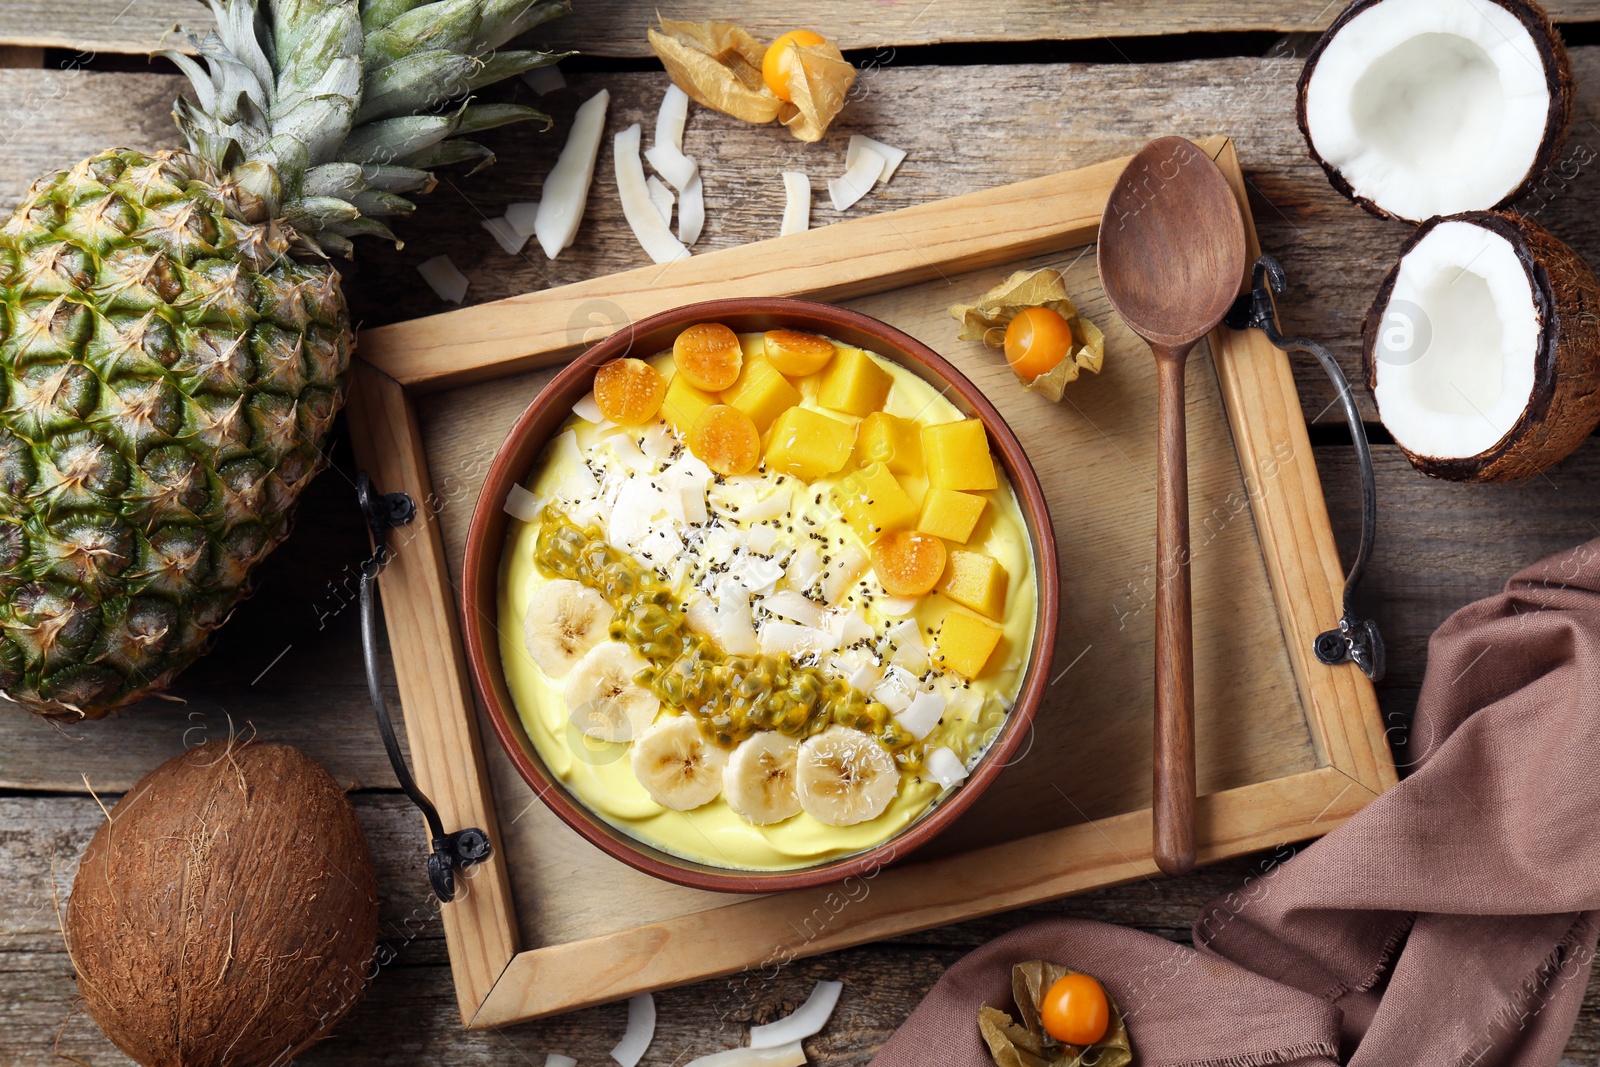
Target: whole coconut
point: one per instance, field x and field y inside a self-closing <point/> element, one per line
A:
<point x="227" y="912"/>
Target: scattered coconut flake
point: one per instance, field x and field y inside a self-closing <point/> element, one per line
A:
<point x="566" y="187"/>
<point x="678" y="169"/>
<point x="762" y="538"/>
<point x="806" y="1020"/>
<point x="757" y="572"/>
<point x="523" y="217"/>
<point x="865" y="677"/>
<point x="896" y="690"/>
<point x="521" y="504"/>
<point x="701" y="615"/>
<point x="505" y="235"/>
<point x="923" y="715"/>
<point x="641" y="1030"/>
<point x="443" y="278"/>
<point x="909" y="650"/>
<point x="653" y="234"/>
<point x="848" y="563"/>
<point x="692" y="211"/>
<point x="796" y="204"/>
<point x="588" y="410"/>
<point x="753" y="508"/>
<point x="894" y="607"/>
<point x="658" y="441"/>
<point x="892" y="157"/>
<point x="792" y="639"/>
<point x="791" y="605"/>
<point x="543" y="80"/>
<point x="790" y="1055"/>
<point x="804" y="566"/>
<point x="661" y="197"/>
<point x="849" y="626"/>
<point x="628" y="450"/>
<point x="735" y="629"/>
<point x="671" y="118"/>
<point x="556" y="1059"/>
<point x="944" y="767"/>
<point x="857" y="180"/>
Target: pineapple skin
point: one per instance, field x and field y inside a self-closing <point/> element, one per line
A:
<point x="170" y="375"/>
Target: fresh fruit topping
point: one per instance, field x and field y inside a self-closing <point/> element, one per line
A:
<point x="726" y="440"/>
<point x="1075" y="1010"/>
<point x="684" y="403"/>
<point x="854" y="382"/>
<point x="845" y="777"/>
<point x="808" y="444"/>
<point x="709" y="356"/>
<point x="957" y="455"/>
<point x="761" y="392"/>
<point x="565" y="620"/>
<point x="1037" y="339"/>
<point x="628" y="391"/>
<point x="976" y="580"/>
<point x="796" y="203"/>
<point x="950" y="513"/>
<point x="942" y="765"/>
<point x="797" y="354"/>
<point x="603" y="700"/>
<point x="908" y="563"/>
<point x="677" y="766"/>
<point x="759" y="780"/>
<point x="965" y="642"/>
<point x="892" y="441"/>
<point x="779" y="64"/>
<point x="873" y="502"/>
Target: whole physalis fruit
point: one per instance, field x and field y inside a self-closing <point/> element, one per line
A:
<point x="226" y="913"/>
<point x="1036" y="340"/>
<point x="726" y="440"/>
<point x="907" y="562"/>
<point x="708" y="356"/>
<point x="1075" y="1010"/>
<point x="782" y="57"/>
<point x="628" y="391"/>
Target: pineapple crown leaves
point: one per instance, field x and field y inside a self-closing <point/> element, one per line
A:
<point x="327" y="112"/>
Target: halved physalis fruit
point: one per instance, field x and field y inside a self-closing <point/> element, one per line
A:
<point x="628" y="391"/>
<point x="782" y="55"/>
<point x="726" y="440"/>
<point x="797" y="354"/>
<point x="708" y="356"/>
<point x="1036" y="340"/>
<point x="908" y="563"/>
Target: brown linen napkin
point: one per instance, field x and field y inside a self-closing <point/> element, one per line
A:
<point x="1452" y="922"/>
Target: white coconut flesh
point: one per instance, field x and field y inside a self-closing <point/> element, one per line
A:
<point x="1454" y="357"/>
<point x="1429" y="107"/>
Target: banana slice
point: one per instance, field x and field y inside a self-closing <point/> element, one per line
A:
<point x="759" y="780"/>
<point x="844" y="776"/>
<point x="676" y="765"/>
<point x="603" y="700"/>
<point x="565" y="620"/>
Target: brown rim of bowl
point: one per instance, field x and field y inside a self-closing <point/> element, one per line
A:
<point x="486" y="546"/>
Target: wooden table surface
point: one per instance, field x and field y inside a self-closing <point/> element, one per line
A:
<point x="978" y="93"/>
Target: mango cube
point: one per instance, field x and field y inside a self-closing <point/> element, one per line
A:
<point x="854" y="382"/>
<point x="965" y="642"/>
<point x="975" y="580"/>
<point x="809" y="444"/>
<point x="892" y="441"/>
<point x="950" y="513"/>
<point x="761" y="392"/>
<point x="957" y="455"/>
<point x="873" y="503"/>
<point x="684" y="403"/>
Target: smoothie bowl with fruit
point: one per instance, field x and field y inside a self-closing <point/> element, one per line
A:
<point x="757" y="594"/>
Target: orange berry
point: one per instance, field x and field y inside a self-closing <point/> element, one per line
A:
<point x="628" y="391"/>
<point x="778" y="64"/>
<point x="1075" y="1010"/>
<point x="1037" y="340"/>
<point x="797" y="354"/>
<point x="908" y="563"/>
<point x="726" y="440"/>
<point x="708" y="356"/>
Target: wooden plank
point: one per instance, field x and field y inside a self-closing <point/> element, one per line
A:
<point x="426" y="641"/>
<point x="618" y="29"/>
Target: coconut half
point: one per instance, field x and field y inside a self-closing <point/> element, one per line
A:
<point x="1417" y="108"/>
<point x="1482" y="349"/>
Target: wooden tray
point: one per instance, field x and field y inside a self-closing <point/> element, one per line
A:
<point x="1287" y="747"/>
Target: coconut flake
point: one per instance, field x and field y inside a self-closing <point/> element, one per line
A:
<point x="790" y="1055"/>
<point x="652" y="234"/>
<point x="678" y="169"/>
<point x="691" y="211"/>
<point x="791" y="605"/>
<point x="909" y="650"/>
<point x="944" y="766"/>
<point x="849" y="626"/>
<point x="641" y="1031"/>
<point x="735" y="629"/>
<point x="804" y="566"/>
<point x="848" y="563"/>
<point x="922" y="715"/>
<point x="556" y="1059"/>
<point x="443" y="278"/>
<point x="661" y="197"/>
<point x="896" y="607"/>
<point x="671" y="117"/>
<point x="796" y="203"/>
<point x="588" y="409"/>
<point x="792" y="639"/>
<point x="544" y="80"/>
<point x="857" y="180"/>
<point x="896" y="690"/>
<point x="566" y="188"/>
<point x="523" y="217"/>
<point x="864" y="677"/>
<point x="504" y="235"/>
<point x="892" y="157"/>
<point x="762" y="538"/>
<point x="521" y="504"/>
<point x="806" y="1020"/>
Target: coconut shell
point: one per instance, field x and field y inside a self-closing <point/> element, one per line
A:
<point x="227" y="912"/>
<point x="1558" y="78"/>
<point x="1564" y="407"/>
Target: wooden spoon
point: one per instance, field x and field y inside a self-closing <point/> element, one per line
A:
<point x="1171" y="259"/>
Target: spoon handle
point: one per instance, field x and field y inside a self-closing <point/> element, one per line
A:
<point x="1174" y="727"/>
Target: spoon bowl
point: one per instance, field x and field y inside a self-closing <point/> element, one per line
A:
<point x="1171" y="258"/>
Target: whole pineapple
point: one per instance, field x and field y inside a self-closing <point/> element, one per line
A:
<point x="173" y="340"/>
